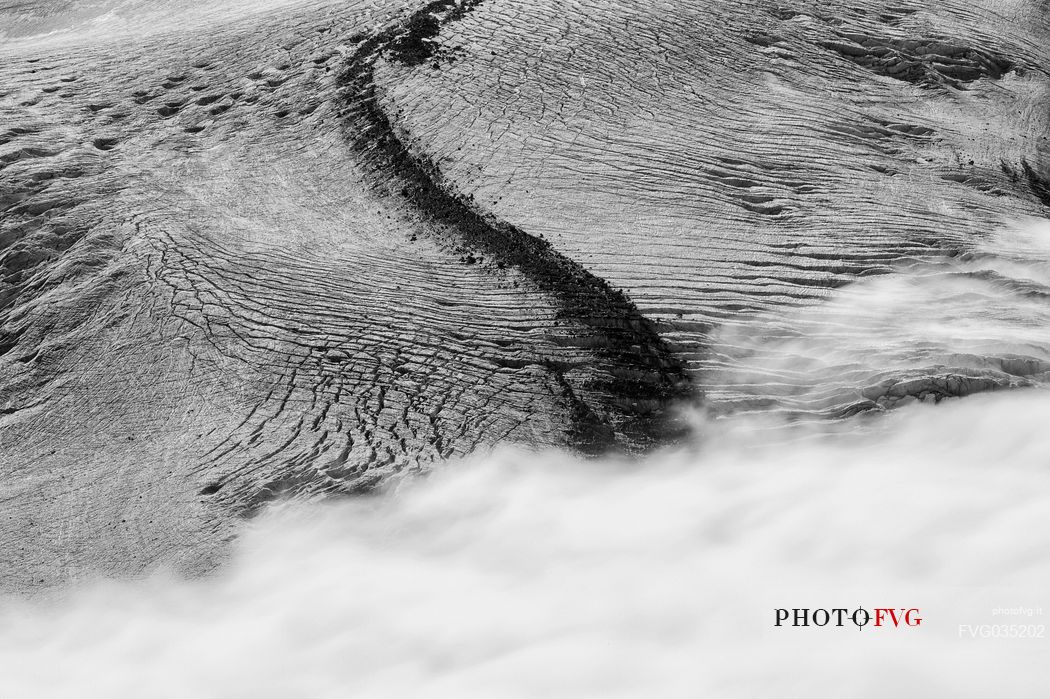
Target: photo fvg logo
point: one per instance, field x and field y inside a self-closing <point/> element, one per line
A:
<point x="860" y="617"/>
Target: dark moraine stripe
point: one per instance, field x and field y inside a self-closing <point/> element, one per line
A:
<point x="637" y="379"/>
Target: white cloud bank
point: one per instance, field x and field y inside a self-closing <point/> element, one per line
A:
<point x="524" y="575"/>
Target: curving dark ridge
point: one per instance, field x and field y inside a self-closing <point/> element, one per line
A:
<point x="638" y="377"/>
<point x="226" y="280"/>
<point x="302" y="246"/>
<point x="748" y="172"/>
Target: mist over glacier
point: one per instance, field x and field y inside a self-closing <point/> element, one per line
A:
<point x="309" y="310"/>
<point x="528" y="574"/>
